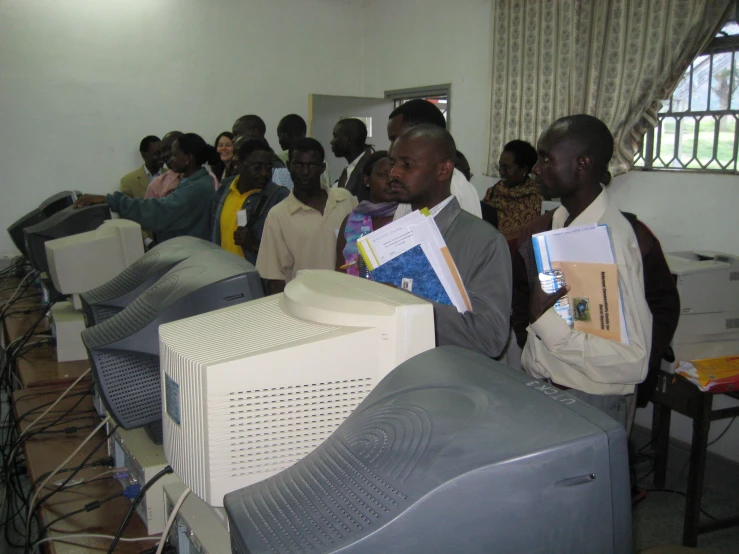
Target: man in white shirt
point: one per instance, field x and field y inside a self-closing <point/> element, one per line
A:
<point x="573" y="158"/>
<point x="348" y="142"/>
<point x="416" y="112"/>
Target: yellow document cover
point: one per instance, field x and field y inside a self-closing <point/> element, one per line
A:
<point x="594" y="298"/>
<point x="715" y="374"/>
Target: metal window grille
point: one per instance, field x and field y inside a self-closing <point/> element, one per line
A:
<point x="697" y="126"/>
<point x="438" y="94"/>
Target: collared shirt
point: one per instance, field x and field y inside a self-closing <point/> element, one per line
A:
<point x="151" y="176"/>
<point x="232" y="204"/>
<point x="350" y="168"/>
<point x="440" y="206"/>
<point x="465" y="193"/>
<point x="583" y="361"/>
<point x="484" y="262"/>
<point x="164" y="184"/>
<point x="297" y="236"/>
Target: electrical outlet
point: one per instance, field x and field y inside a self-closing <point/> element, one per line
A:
<point x="6" y="260"/>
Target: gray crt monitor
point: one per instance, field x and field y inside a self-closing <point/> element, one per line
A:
<point x="47" y="208"/>
<point x="108" y="299"/>
<point x="124" y="349"/>
<point x="451" y="452"/>
<point x="69" y="221"/>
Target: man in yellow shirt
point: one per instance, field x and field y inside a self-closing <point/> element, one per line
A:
<point x="252" y="193"/>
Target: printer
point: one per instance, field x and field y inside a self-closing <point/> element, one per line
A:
<point x="708" y="284"/>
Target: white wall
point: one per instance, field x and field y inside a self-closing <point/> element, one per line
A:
<point x="82" y="81"/>
<point x="413" y="43"/>
<point x="687" y="211"/>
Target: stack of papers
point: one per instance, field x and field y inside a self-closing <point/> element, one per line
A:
<point x="714" y="374"/>
<point x="410" y="253"/>
<point x="585" y="256"/>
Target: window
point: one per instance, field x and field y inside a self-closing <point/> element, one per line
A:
<point x="439" y="95"/>
<point x="697" y="126"/>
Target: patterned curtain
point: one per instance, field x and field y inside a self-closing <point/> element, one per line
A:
<point x="615" y="59"/>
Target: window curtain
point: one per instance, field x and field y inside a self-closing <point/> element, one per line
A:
<point x="614" y="59"/>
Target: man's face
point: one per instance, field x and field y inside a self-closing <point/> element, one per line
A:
<point x="249" y="129"/>
<point x="556" y="171"/>
<point x="395" y="128"/>
<point x="256" y="168"/>
<point x="415" y="169"/>
<point x="306" y="169"/>
<point x="178" y="160"/>
<point x="165" y="152"/>
<point x="153" y="156"/>
<point x="340" y="144"/>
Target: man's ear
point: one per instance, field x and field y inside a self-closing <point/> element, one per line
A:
<point x="584" y="163"/>
<point x="445" y="170"/>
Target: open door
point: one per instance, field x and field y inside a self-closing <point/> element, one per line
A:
<point x="324" y="111"/>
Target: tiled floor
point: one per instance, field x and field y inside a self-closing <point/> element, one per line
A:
<point x="658" y="519"/>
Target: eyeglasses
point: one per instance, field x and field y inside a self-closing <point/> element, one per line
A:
<point x="505" y="168"/>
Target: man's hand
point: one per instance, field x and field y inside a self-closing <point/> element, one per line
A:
<point x="244" y="239"/>
<point x="540" y="301"/>
<point x="89" y="200"/>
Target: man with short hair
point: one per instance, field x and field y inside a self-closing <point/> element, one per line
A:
<point x="349" y="140"/>
<point x="135" y="183"/>
<point x="252" y="191"/>
<point x="165" y="183"/>
<point x="249" y="126"/>
<point x="300" y="232"/>
<point x="573" y="159"/>
<point x="417" y="112"/>
<point x="290" y="129"/>
<point x="423" y="159"/>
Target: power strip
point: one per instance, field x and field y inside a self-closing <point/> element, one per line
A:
<point x="144" y="459"/>
<point x="198" y="528"/>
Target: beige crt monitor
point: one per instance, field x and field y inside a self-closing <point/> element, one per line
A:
<point x="78" y="263"/>
<point x="250" y="390"/>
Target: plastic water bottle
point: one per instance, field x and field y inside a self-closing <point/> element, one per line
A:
<point x="364" y="271"/>
<point x="551" y="281"/>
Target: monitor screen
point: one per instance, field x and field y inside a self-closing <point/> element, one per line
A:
<point x="68" y="221"/>
<point x="252" y="389"/>
<point x="109" y="298"/>
<point x="80" y="262"/>
<point x="451" y="452"/>
<point x="124" y="349"/>
<point x="46" y="209"/>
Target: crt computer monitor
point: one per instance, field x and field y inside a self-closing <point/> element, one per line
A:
<point x="124" y="349"/>
<point x="68" y="221"/>
<point x="252" y="389"/>
<point x="109" y="298"/>
<point x="451" y="452"/>
<point x="80" y="262"/>
<point x="47" y="208"/>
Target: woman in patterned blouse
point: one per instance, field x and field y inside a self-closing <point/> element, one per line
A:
<point x="516" y="197"/>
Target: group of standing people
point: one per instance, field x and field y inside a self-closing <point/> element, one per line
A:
<point x="298" y="219"/>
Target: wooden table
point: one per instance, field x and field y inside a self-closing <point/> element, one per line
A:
<point x="674" y="393"/>
<point x="39" y="368"/>
<point x="43" y="379"/>
<point x="45" y="452"/>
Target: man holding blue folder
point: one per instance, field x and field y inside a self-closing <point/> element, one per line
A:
<point x="573" y="161"/>
<point x="423" y="159"/>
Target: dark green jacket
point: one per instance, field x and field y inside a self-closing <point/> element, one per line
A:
<point x="184" y="212"/>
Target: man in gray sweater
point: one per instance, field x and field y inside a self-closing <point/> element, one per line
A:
<point x="423" y="167"/>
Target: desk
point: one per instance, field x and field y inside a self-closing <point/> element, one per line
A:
<point x="39" y="368"/>
<point x="676" y="393"/>
<point x="45" y="452"/>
